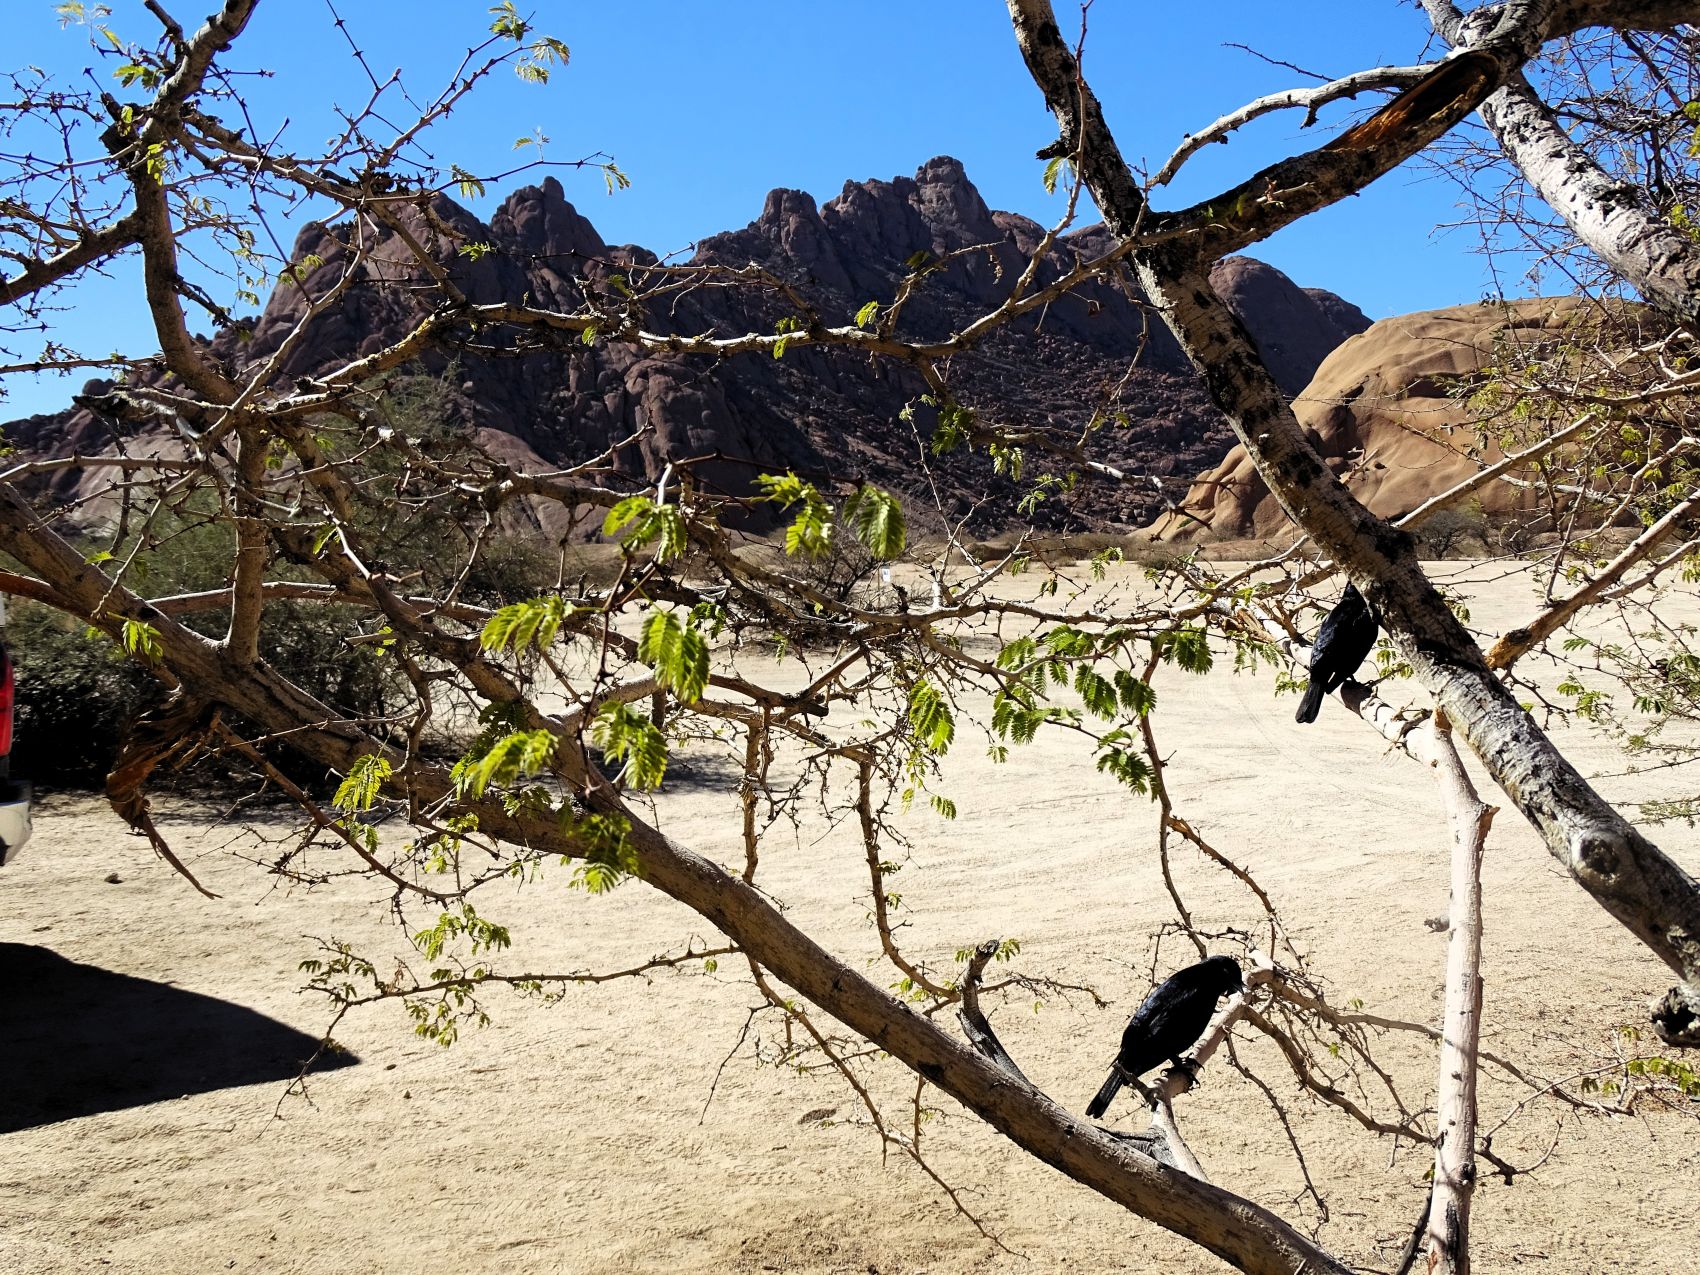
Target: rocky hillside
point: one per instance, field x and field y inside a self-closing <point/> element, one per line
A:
<point x="819" y="411"/>
<point x="1384" y="412"/>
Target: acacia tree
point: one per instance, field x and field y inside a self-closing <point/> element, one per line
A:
<point x="581" y="691"/>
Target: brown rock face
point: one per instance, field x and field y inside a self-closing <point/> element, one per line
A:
<point x="1380" y="414"/>
<point x="816" y="411"/>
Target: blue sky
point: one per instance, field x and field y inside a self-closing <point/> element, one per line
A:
<point x="707" y="106"/>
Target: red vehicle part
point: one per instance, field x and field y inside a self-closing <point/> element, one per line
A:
<point x="6" y="688"/>
<point x="14" y="796"/>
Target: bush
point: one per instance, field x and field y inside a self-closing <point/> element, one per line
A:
<point x="76" y="693"/>
<point x="1455" y="529"/>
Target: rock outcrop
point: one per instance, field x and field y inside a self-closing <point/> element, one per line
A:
<point x="559" y="401"/>
<point x="1386" y="412"/>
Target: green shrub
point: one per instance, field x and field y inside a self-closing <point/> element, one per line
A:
<point x="77" y="692"/>
<point x="75" y="695"/>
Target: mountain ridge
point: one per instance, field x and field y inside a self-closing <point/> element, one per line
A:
<point x="554" y="400"/>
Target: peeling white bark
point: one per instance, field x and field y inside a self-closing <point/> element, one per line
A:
<point x="1447" y="1239"/>
<point x="1608" y="215"/>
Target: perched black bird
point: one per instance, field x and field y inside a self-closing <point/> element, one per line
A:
<point x="1346" y="636"/>
<point x="1170" y="1020"/>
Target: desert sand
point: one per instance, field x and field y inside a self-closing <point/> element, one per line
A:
<point x="581" y="1136"/>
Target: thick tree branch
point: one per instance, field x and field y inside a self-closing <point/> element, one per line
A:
<point x="1238" y="1231"/>
<point x="1606" y="213"/>
<point x="94" y="246"/>
<point x="253" y="544"/>
<point x="1625" y="873"/>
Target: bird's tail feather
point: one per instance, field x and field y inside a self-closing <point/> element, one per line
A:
<point x="1099" y="1105"/>
<point x="1311" y="704"/>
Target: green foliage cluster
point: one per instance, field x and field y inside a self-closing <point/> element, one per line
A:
<point x="1066" y="657"/>
<point x="873" y="516"/>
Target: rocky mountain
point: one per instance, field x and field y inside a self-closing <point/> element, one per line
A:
<point x="824" y="412"/>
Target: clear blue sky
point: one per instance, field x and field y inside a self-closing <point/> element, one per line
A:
<point x="707" y="106"/>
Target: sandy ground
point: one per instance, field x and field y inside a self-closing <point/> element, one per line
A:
<point x="580" y="1137"/>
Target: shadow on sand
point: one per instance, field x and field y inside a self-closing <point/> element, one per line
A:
<point x="78" y="1039"/>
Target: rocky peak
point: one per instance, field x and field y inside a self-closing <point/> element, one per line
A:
<point x="1294" y="328"/>
<point x="792" y="224"/>
<point x="539" y="221"/>
<point x="951" y="205"/>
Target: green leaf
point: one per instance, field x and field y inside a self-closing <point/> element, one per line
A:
<point x="523" y="624"/>
<point x="360" y="788"/>
<point x="677" y="651"/>
<point x="1017" y="653"/>
<point x="609" y="856"/>
<point x="132" y="72"/>
<point x="867" y="314"/>
<point x="1007" y="460"/>
<point x="877" y="519"/>
<point x="787" y="327"/>
<point x="626" y="735"/>
<point x="954" y="427"/>
<point x="645" y="522"/>
<point x="470" y="187"/>
<point x="930" y="715"/>
<point x="508" y="24"/>
<point x="466" y="924"/>
<point x="1137" y="696"/>
<point x="810" y="533"/>
<point x="1096" y="692"/>
<point x="513" y="756"/>
<point x="1188" y="647"/>
<point x="1130" y="768"/>
<point x="141" y="639"/>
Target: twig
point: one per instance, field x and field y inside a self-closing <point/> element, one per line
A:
<point x="974" y="1023"/>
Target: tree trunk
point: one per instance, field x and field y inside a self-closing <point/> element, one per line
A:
<point x="1447" y="1239"/>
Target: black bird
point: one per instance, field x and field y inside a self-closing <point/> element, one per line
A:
<point x="1171" y="1019"/>
<point x="1346" y="636"/>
